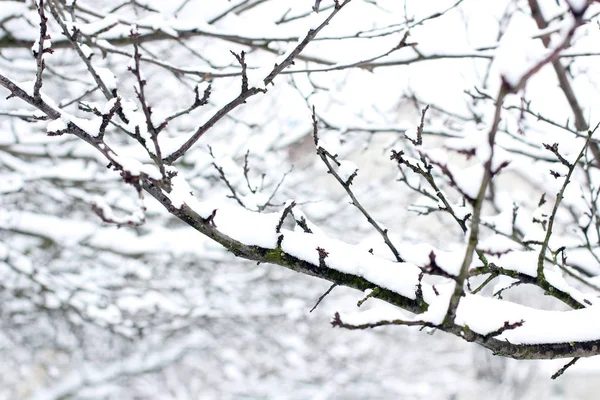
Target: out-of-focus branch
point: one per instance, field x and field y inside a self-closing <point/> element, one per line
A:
<point x="505" y="89"/>
<point x="476" y="215"/>
<point x="563" y="80"/>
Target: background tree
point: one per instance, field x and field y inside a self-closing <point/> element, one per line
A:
<point x="440" y="158"/>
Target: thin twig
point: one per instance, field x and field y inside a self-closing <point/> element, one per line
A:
<point x="559" y="197"/>
<point x="325" y="157"/>
<point x="337" y="322"/>
<point x="245" y="94"/>
<point x="141" y="95"/>
<point x="323" y="296"/>
<point x="39" y="53"/>
<point x="564" y="368"/>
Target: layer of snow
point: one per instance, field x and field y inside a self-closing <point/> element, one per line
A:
<point x="347" y="169"/>
<point x="107" y="77"/>
<point x="56" y="125"/>
<point x="484" y="315"/>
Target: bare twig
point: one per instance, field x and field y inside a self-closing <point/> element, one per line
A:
<point x="72" y="38"/>
<point x="337" y="322"/>
<point x="323" y="296"/>
<point x="506" y="327"/>
<point x="564" y="368"/>
<point x="241" y="99"/>
<point x="289" y="60"/>
<point x="559" y="197"/>
<point x="198" y="102"/>
<point x="241" y="58"/>
<point x="223" y="177"/>
<point x="326" y="157"/>
<point x="286" y="211"/>
<point x="141" y="95"/>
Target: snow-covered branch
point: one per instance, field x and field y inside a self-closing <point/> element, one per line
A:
<point x="436" y="158"/>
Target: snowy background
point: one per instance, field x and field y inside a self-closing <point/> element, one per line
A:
<point x="156" y="310"/>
